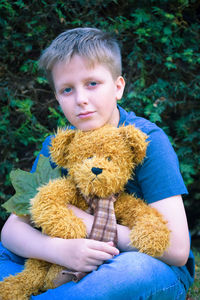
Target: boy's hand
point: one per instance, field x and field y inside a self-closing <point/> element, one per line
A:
<point x="82" y="254"/>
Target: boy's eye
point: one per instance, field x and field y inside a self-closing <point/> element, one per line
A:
<point x="93" y="83"/>
<point x="67" y="90"/>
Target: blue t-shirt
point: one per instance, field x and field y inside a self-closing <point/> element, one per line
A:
<point x="157" y="178"/>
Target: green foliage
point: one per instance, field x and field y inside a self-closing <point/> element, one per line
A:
<point x="161" y="57"/>
<point x="26" y="185"/>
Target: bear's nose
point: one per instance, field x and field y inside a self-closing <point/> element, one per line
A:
<point x="96" y="171"/>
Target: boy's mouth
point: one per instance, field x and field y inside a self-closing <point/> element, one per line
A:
<point x="85" y="115"/>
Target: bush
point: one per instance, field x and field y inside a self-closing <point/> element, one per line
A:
<point x="160" y="47"/>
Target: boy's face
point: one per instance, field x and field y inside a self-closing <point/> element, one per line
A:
<point x="87" y="95"/>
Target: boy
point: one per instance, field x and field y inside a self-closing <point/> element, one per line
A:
<point x="83" y="66"/>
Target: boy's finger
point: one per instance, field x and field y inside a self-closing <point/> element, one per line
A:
<point x="105" y="247"/>
<point x="110" y="243"/>
<point x="97" y="256"/>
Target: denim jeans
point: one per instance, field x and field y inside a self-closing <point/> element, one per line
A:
<point x="130" y="275"/>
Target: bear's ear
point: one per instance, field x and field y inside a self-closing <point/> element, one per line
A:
<point x="136" y="140"/>
<point x="59" y="146"/>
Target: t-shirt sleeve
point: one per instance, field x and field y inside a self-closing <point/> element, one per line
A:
<point x="159" y="176"/>
<point x="44" y="151"/>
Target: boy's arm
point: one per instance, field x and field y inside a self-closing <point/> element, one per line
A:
<point x="78" y="254"/>
<point x="173" y="211"/>
<point x="19" y="237"/>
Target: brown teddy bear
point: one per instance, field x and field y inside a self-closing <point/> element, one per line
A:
<point x="99" y="164"/>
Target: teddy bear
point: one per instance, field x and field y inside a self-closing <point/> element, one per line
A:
<point x="99" y="164"/>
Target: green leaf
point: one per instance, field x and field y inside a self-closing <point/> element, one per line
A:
<point x="41" y="80"/>
<point x="26" y="185"/>
<point x="170" y="65"/>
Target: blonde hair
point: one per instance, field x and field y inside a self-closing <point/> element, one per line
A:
<point x="93" y="44"/>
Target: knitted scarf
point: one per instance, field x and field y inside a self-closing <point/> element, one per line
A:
<point x="104" y="229"/>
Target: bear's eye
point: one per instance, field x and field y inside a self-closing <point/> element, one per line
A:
<point x="90" y="157"/>
<point x="109" y="158"/>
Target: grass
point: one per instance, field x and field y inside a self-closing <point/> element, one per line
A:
<point x="194" y="291"/>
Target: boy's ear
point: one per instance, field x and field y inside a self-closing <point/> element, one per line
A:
<point x="137" y="141"/>
<point x="120" y="85"/>
<point x="59" y="146"/>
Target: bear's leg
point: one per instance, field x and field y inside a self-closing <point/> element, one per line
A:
<point x="26" y="283"/>
<point x="54" y="277"/>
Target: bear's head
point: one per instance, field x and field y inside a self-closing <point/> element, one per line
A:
<point x="99" y="161"/>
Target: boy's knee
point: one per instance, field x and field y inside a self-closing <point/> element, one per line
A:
<point x="134" y="273"/>
<point x="135" y="269"/>
<point x="135" y="263"/>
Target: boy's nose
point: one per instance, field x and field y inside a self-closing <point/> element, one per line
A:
<point x="81" y="97"/>
<point x="96" y="171"/>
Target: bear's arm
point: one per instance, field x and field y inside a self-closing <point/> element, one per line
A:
<point x="50" y="212"/>
<point x="149" y="231"/>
